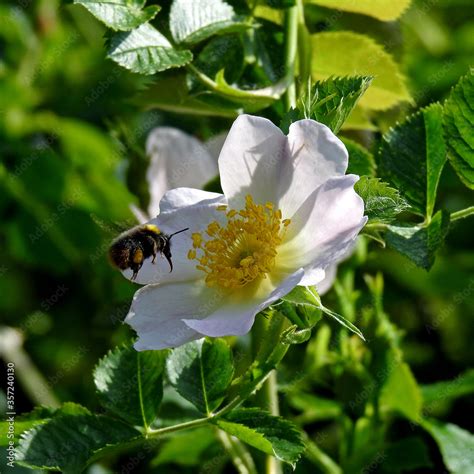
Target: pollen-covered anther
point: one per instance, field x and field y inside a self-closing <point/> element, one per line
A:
<point x="243" y="250"/>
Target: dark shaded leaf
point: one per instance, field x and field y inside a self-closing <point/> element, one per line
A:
<point x="420" y="243"/>
<point x="69" y="440"/>
<point x="415" y="455"/>
<point x="361" y="161"/>
<point x="412" y="157"/>
<point x="201" y="371"/>
<point x="459" y="123"/>
<point x="130" y="383"/>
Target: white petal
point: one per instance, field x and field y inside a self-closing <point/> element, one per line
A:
<point x="250" y="160"/>
<point x="176" y="159"/>
<point x="330" y="276"/>
<point x="157" y="311"/>
<point x="182" y="197"/>
<point x="324" y="227"/>
<point x="236" y="316"/>
<point x="140" y="215"/>
<point x="180" y="208"/>
<point x="316" y="155"/>
<point x="313" y="275"/>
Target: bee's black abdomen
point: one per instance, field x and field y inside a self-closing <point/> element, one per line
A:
<point x="121" y="251"/>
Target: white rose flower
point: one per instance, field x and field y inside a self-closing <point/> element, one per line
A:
<point x="177" y="160"/>
<point x="288" y="212"/>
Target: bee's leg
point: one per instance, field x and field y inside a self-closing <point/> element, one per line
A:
<point x="167" y="254"/>
<point x="154" y="252"/>
<point x="137" y="262"/>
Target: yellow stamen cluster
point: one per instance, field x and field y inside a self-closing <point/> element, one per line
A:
<point x="242" y="251"/>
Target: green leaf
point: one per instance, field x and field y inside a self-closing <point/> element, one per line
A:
<point x="459" y="123"/>
<point x="306" y="303"/>
<point x="120" y="14"/>
<point x="313" y="407"/>
<point x="449" y="389"/>
<point x="308" y="297"/>
<point x="197" y="20"/>
<point x="130" y="383"/>
<point x="366" y="58"/>
<point x="24" y="422"/>
<point x="220" y="53"/>
<point x="361" y="161"/>
<point x="330" y="101"/>
<point x="201" y="371"/>
<point x="456" y="445"/>
<point x="333" y="100"/>
<point x="420" y="243"/>
<point x="69" y="440"/>
<point x="293" y="335"/>
<point x="313" y="299"/>
<point x="359" y="119"/>
<point x="382" y="203"/>
<point x="271" y="434"/>
<point x="385" y="10"/>
<point x="187" y="448"/>
<point x="146" y="51"/>
<point x="171" y="94"/>
<point x="412" y="157"/>
<point x="415" y="455"/>
<point x="401" y="392"/>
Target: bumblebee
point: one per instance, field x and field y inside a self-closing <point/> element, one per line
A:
<point x="131" y="248"/>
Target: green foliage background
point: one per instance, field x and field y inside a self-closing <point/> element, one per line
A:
<point x="72" y="130"/>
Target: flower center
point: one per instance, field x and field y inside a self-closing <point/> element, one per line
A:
<point x="242" y="251"/>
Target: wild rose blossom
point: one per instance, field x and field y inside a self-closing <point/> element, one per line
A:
<point x="288" y="212"/>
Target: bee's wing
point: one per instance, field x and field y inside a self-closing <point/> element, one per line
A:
<point x="112" y="229"/>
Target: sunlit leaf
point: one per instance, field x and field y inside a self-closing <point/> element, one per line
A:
<point x="329" y="102"/>
<point x="344" y="53"/>
<point x="401" y="392"/>
<point x="456" y="445"/>
<point x="271" y="434"/>
<point x="120" y="14"/>
<point x="385" y="10"/>
<point x="146" y="51"/>
<point x="382" y="203"/>
<point x="192" y="21"/>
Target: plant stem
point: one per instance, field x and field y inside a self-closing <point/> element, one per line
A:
<point x="263" y="339"/>
<point x="469" y="211"/>
<point x="270" y="391"/>
<point x="291" y="45"/>
<point x="34" y="384"/>
<point x="241" y="458"/>
<point x="179" y="427"/>
<point x="320" y="458"/>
